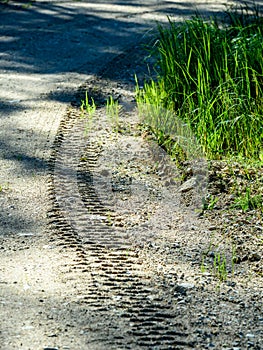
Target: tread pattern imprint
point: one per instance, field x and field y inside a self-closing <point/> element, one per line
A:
<point x="114" y="199"/>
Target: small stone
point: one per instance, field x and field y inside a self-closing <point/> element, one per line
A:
<point x="254" y="257"/>
<point x="211" y="254"/>
<point x="237" y="259"/>
<point x="26" y="234"/>
<point x="186" y="285"/>
<point x="28" y="328"/>
<point x="231" y="283"/>
<point x="244" y="258"/>
<point x="183" y="287"/>
<point x="105" y="172"/>
<point x="250" y="335"/>
<point x="188" y="185"/>
<point x="54" y="335"/>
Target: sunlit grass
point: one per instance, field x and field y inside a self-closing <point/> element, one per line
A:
<point x="211" y="76"/>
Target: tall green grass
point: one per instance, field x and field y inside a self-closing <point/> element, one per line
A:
<point x="211" y="76"/>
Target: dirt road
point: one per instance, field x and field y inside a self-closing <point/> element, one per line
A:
<point x="76" y="274"/>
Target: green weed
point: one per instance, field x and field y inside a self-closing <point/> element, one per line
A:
<point x="220" y="267"/>
<point x="88" y="106"/>
<point x="4" y="187"/>
<point x="109" y="220"/>
<point x="247" y="201"/>
<point x="88" y="109"/>
<point x="171" y="133"/>
<point x="209" y="202"/>
<point x="113" y="110"/>
<point x="27" y="5"/>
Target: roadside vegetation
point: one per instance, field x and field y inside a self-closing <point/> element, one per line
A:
<point x="211" y="76"/>
<point x="208" y="82"/>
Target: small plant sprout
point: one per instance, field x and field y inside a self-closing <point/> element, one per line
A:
<point x="209" y="202"/>
<point x="113" y="110"/>
<point x="220" y="268"/>
<point x="247" y="201"/>
<point x="88" y="109"/>
<point x="4" y="187"/>
<point x="109" y="219"/>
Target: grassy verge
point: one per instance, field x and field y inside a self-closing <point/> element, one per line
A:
<point x="206" y="100"/>
<point x="211" y="77"/>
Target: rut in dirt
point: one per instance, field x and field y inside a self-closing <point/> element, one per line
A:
<point x="137" y="312"/>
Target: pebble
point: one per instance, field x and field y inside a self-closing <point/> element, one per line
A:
<point x="26" y="234"/>
<point x="183" y="287"/>
<point x="28" y="328"/>
<point x="188" y="185"/>
<point x="254" y="256"/>
<point x="250" y="335"/>
<point x="186" y="285"/>
<point x="231" y="283"/>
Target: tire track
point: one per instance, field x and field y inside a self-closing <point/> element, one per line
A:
<point x="86" y="219"/>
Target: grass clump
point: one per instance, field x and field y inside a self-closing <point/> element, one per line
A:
<point x="247" y="201"/>
<point x="88" y="109"/>
<point x="113" y="111"/>
<point x="220" y="268"/>
<point x="211" y="76"/>
<point x="88" y="106"/>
